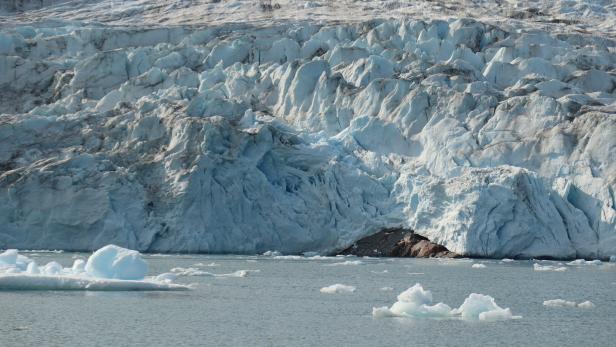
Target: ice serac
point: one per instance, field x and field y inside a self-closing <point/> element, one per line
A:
<point x="491" y="138"/>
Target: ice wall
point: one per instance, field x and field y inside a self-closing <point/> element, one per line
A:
<point x="304" y="137"/>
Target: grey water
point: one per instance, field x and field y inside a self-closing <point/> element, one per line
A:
<point x="281" y="306"/>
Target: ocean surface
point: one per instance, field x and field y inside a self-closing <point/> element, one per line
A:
<point x="281" y="305"/>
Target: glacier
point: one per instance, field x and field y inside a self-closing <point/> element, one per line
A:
<point x="494" y="136"/>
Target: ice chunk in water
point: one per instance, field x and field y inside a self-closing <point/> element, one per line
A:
<point x="559" y="303"/>
<point x="538" y="267"/>
<point x="482" y="307"/>
<point x="337" y="288"/>
<point x="414" y="302"/>
<point x="110" y="268"/>
<point x="417" y="303"/>
<point x="116" y="262"/>
<point x="586" y="304"/>
<point x="9" y="257"/>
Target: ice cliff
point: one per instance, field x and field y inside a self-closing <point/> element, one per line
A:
<point x="298" y="136"/>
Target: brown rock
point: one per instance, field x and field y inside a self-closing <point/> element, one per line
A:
<point x="397" y="243"/>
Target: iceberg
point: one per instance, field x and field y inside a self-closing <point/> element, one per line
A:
<point x="110" y="268"/>
<point x="116" y="262"/>
<point x="490" y="136"/>
<point x="191" y="271"/>
<point x="559" y="303"/>
<point x="337" y="288"/>
<point x="586" y="304"/>
<point x="416" y="302"/>
<point x="566" y="303"/>
<point x="346" y="263"/>
<point x="581" y="262"/>
<point x="539" y="267"/>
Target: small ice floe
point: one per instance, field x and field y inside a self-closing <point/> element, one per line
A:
<point x="415" y="273"/>
<point x="581" y="262"/>
<point x="612" y="258"/>
<point x="416" y="302"/>
<point x="272" y="254"/>
<point x="337" y="288"/>
<point x="539" y="267"/>
<point x="386" y="289"/>
<point x="559" y="303"/>
<point x="566" y="303"/>
<point x="289" y="257"/>
<point x="205" y="265"/>
<point x="586" y="304"/>
<point x="346" y="263"/>
<point x="191" y="271"/>
<point x="507" y="260"/>
<point x="111" y="268"/>
<point x="478" y="266"/>
<point x="379" y="272"/>
<point x="301" y="257"/>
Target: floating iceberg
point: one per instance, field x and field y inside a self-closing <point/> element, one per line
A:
<point x="191" y="271"/>
<point x="337" y="288"/>
<point x="566" y="303"/>
<point x="346" y="263"/>
<point x="580" y="262"/>
<point x="479" y="266"/>
<point x="539" y="267"/>
<point x="416" y="302"/>
<point x="111" y="268"/>
<point x="116" y="262"/>
<point x="586" y="304"/>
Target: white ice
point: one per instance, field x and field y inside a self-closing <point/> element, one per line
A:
<point x="580" y="262"/>
<point x="337" y="289"/>
<point x="191" y="271"/>
<point x="166" y="128"/>
<point x="111" y="268"/>
<point x="539" y="267"/>
<point x="416" y="302"/>
<point x="479" y="266"/>
<point x="566" y="303"/>
<point x="586" y="304"/>
<point x="346" y="263"/>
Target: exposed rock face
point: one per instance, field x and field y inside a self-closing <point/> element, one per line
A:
<point x="397" y="243"/>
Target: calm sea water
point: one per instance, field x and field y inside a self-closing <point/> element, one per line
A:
<point x="281" y="306"/>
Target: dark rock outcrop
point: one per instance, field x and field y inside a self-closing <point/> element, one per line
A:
<point x="398" y="243"/>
